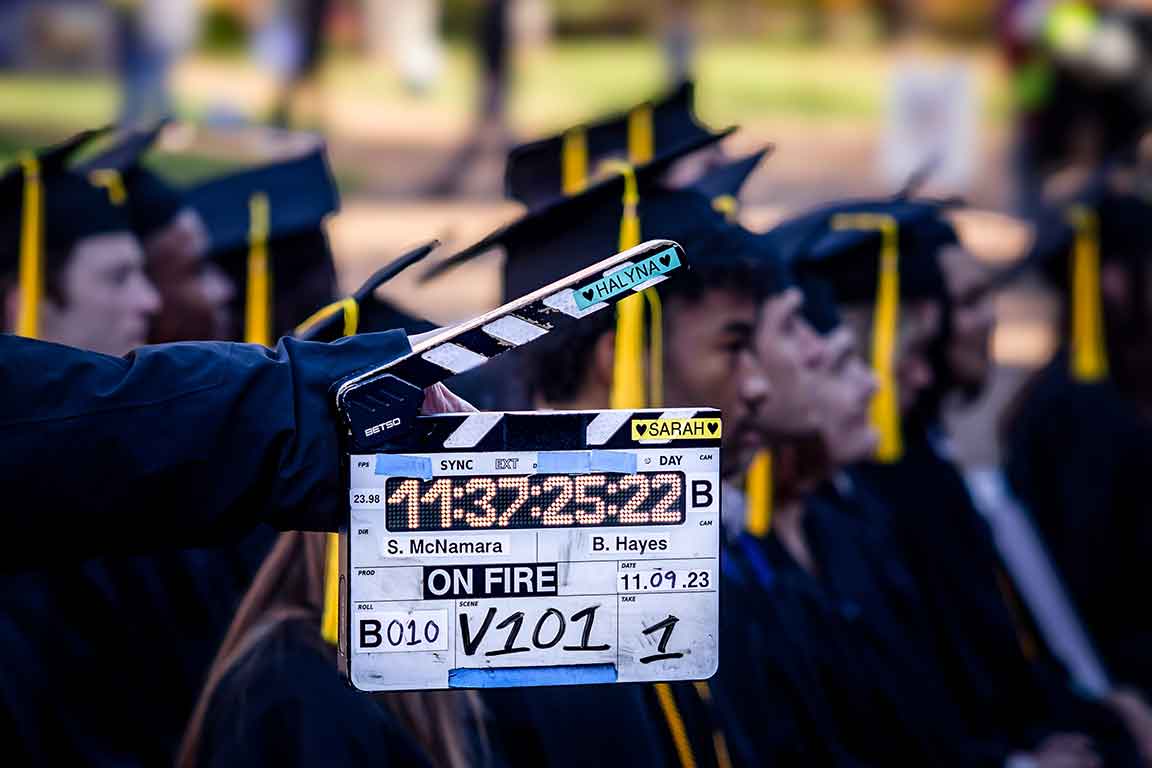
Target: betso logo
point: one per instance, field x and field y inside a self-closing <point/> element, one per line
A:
<point x="381" y="427"/>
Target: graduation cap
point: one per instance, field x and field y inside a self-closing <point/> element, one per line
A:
<point x="1073" y="240"/>
<point x="364" y="311"/>
<point x="874" y="252"/>
<point x="45" y="210"/>
<point x="722" y="184"/>
<point x="266" y="230"/>
<point x="543" y="171"/>
<point x="152" y="202"/>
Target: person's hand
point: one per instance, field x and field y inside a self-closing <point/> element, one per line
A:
<point x="439" y="399"/>
<point x="1064" y="750"/>
<point x="1137" y="715"/>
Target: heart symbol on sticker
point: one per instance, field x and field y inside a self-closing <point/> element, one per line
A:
<point x="665" y="260"/>
<point x="713" y="427"/>
<point x="641" y="428"/>
<point x="588" y="294"/>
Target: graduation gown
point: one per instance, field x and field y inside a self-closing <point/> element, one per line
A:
<point x="1009" y="688"/>
<point x="285" y="705"/>
<point x="214" y="437"/>
<point x="1079" y="456"/>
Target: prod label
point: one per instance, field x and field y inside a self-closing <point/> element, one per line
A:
<point x="625" y="278"/>
<point x="676" y="429"/>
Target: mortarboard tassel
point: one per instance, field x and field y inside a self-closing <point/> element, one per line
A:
<point x="758" y="494"/>
<point x="111" y="181"/>
<point x="346" y="305"/>
<point x="574" y="161"/>
<point x="1089" y="356"/>
<point x="330" y="617"/>
<point x="257" y="309"/>
<point x="727" y="205"/>
<point x="885" y="406"/>
<point x="675" y="725"/>
<point x="628" y="390"/>
<point x="31" y="248"/>
<point x="640" y="142"/>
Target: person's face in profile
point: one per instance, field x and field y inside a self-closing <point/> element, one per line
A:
<point x="969" y="354"/>
<point x="842" y="389"/>
<point x="788" y="351"/>
<point x="918" y="328"/>
<point x="195" y="292"/>
<point x="708" y="361"/>
<point x="105" y="301"/>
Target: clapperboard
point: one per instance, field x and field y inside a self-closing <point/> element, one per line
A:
<point x="525" y="548"/>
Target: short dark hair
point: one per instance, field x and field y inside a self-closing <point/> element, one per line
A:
<point x="556" y="366"/>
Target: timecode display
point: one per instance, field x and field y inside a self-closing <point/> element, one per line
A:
<point x="534" y="501"/>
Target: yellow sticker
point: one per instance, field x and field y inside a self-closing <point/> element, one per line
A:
<point x="676" y="429"/>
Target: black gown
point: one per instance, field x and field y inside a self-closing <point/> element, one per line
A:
<point x="1008" y="685"/>
<point x="1079" y="456"/>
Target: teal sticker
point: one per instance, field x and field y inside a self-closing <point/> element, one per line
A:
<point x="625" y="278"/>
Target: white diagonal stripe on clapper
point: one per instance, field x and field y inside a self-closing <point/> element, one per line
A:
<point x="473" y="429"/>
<point x="606" y="424"/>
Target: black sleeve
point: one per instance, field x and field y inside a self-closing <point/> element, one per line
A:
<point x="176" y="445"/>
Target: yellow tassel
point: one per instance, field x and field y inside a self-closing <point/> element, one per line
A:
<point x="628" y="390"/>
<point x="758" y="494"/>
<point x="112" y="182"/>
<point x="640" y="140"/>
<point x="675" y="725"/>
<point x="330" y="620"/>
<point x="1089" y="355"/>
<point x="727" y="205"/>
<point x="31" y="249"/>
<point x="655" y="348"/>
<point x="257" y="310"/>
<point x="574" y="162"/>
<point x="347" y="305"/>
<point x="719" y="743"/>
<point x="885" y="406"/>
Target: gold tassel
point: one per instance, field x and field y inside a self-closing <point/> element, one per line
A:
<point x="347" y="305"/>
<point x="727" y="205"/>
<point x="885" y="406"/>
<point x="758" y="494"/>
<point x="628" y="390"/>
<point x="641" y="145"/>
<point x="257" y="310"/>
<point x="719" y="743"/>
<point x="655" y="348"/>
<point x="574" y="162"/>
<point x="31" y="248"/>
<point x="330" y="618"/>
<point x="1089" y="354"/>
<point x="675" y="725"/>
<point x="110" y="181"/>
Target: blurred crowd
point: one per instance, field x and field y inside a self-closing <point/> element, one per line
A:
<point x="880" y="603"/>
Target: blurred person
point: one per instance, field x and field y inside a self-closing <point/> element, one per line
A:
<point x="291" y="40"/>
<point x="1007" y="693"/>
<point x="1079" y="439"/>
<point x="679" y="38"/>
<point x="266" y="231"/>
<point x="94" y="293"/>
<point x="274" y="695"/>
<point x="494" y="43"/>
<point x="195" y="293"/>
<point x="150" y="34"/>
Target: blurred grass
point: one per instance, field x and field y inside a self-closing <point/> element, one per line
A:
<point x="555" y="86"/>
